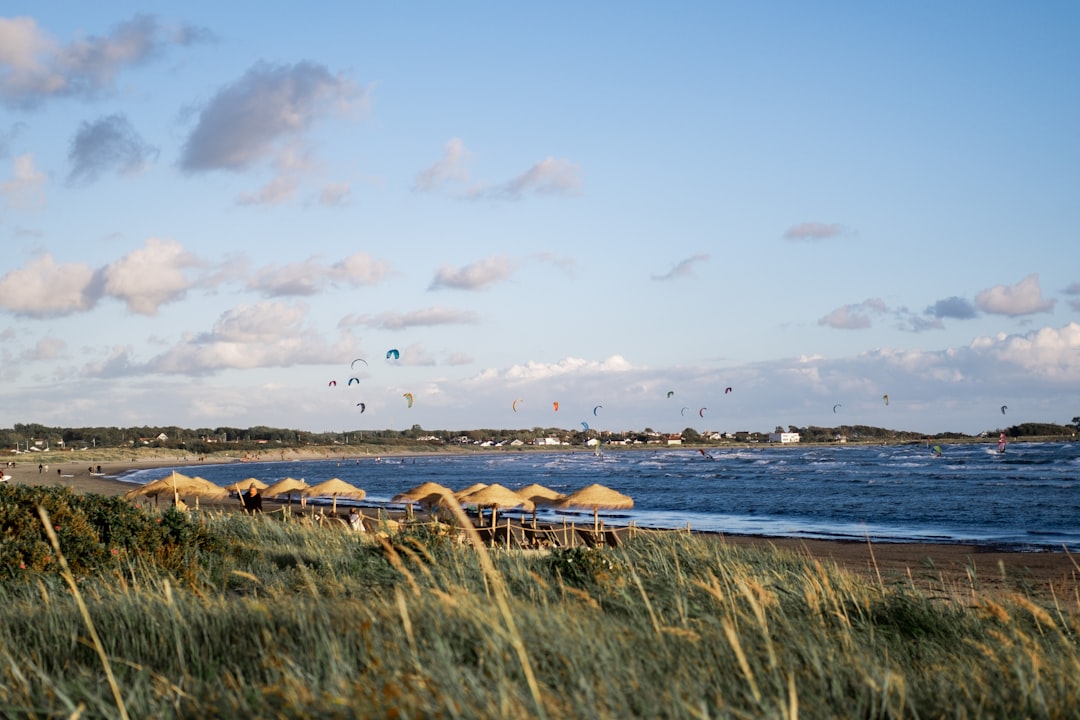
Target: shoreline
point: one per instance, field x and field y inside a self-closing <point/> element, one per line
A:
<point x="938" y="567"/>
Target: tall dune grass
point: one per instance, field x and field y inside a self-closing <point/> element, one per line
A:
<point x="292" y="620"/>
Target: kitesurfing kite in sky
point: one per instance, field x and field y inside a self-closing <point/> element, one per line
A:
<point x="408" y="398"/>
<point x="392" y="353"/>
<point x="885" y="399"/>
<point x="1004" y="408"/>
<point x="836" y="406"/>
<point x="555" y="405"/>
<point x="354" y="380"/>
<point x="362" y="407"/>
<point x="515" y="404"/>
<point x="670" y="393"/>
<point x="598" y="407"/>
<point x="357" y="360"/>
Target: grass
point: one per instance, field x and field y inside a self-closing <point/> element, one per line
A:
<point x="283" y="619"/>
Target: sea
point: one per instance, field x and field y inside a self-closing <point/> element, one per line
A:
<point x="1025" y="499"/>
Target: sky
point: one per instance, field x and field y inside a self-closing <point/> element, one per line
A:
<point x="208" y="211"/>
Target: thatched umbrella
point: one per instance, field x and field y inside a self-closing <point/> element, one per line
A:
<point x="335" y="488"/>
<point x="596" y="497"/>
<point x="497" y="496"/>
<point x="286" y="487"/>
<point x="427" y="495"/>
<point x="469" y="490"/>
<point x="539" y="495"/>
<point x="179" y="485"/>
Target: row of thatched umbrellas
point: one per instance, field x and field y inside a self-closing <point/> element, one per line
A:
<point x="429" y="494"/>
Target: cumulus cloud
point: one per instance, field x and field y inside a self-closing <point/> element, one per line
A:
<point x="25" y="188"/>
<point x="477" y="276"/>
<point x="107" y="144"/>
<point x="44" y="289"/>
<point x="261" y="114"/>
<point x="360" y="269"/>
<point x="427" y="317"/>
<point x="815" y="231"/>
<point x="1051" y="353"/>
<point x="684" y="268"/>
<point x="855" y="316"/>
<point x="150" y="276"/>
<point x="267" y="334"/>
<point x="1023" y="298"/>
<point x="34" y="67"/>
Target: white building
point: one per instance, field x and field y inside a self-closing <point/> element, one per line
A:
<point x="784" y="437"/>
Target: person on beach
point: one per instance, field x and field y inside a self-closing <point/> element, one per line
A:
<point x="252" y="500"/>
<point x="355" y="521"/>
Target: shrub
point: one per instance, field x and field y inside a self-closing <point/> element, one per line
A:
<point x="580" y="566"/>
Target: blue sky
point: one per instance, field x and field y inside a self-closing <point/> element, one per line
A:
<point x="208" y="212"/>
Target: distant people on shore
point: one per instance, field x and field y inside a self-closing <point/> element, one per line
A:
<point x="355" y="521"/>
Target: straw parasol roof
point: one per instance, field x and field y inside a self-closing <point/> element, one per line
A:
<point x="286" y="487"/>
<point x="179" y="485"/>
<point x="595" y="497"/>
<point x="496" y="496"/>
<point x="335" y="488"/>
<point x="539" y="495"/>
<point x="427" y="494"/>
<point x="471" y="489"/>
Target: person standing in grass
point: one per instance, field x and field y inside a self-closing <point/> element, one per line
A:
<point x="355" y="521"/>
<point x="252" y="500"/>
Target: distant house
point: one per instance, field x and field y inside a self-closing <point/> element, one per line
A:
<point x="674" y="439"/>
<point x="784" y="437"/>
<point x="516" y="443"/>
<point x="545" y="441"/>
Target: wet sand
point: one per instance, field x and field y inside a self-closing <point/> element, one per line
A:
<point x="941" y="569"/>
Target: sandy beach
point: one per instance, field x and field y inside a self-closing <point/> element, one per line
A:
<point x="947" y="569"/>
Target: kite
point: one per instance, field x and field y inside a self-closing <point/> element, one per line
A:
<point x="357" y="360"/>
<point x="598" y="407"/>
<point x="727" y="390"/>
<point x="701" y="412"/>
<point x="1004" y="408"/>
<point x="555" y="405"/>
<point x="683" y="411"/>
<point x="354" y="380"/>
<point x="333" y="383"/>
<point x="836" y="406"/>
<point x="585" y="425"/>
<point x="408" y="397"/>
<point x="670" y="393"/>
<point x="392" y="353"/>
<point x="362" y="407"/>
<point x="514" y="404"/>
<point x="885" y="398"/>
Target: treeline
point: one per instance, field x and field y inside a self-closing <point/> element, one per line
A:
<point x="23" y="436"/>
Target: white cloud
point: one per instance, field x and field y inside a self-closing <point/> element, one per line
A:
<point x="550" y="176"/>
<point x="45" y="349"/>
<point x="360" y="269"/>
<point x="846" y="317"/>
<point x="25" y="188"/>
<point x="44" y="289"/>
<point x="263" y="113"/>
<point x="452" y="167"/>
<point x="1023" y="298"/>
<point x="477" y="276"/>
<point x="34" y="67"/>
<point x="267" y="334"/>
<point x="684" y="268"/>
<point x="150" y="276"/>
<point x="311" y="276"/>
<point x="427" y="317"/>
